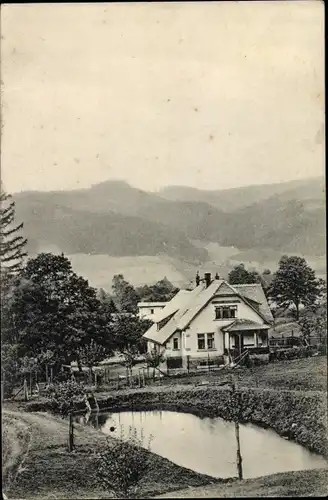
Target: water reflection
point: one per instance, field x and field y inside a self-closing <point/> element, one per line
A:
<point x="208" y="445"/>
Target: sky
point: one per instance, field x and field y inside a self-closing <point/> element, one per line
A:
<point x="209" y="94"/>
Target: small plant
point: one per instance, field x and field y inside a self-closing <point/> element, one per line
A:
<point x="124" y="464"/>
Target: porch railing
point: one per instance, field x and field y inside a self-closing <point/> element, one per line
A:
<point x="235" y="353"/>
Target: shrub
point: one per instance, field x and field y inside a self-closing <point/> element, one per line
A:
<point x="322" y="349"/>
<point x="64" y="395"/>
<point x="122" y="467"/>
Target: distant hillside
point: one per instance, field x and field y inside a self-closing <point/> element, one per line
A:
<point x="77" y="231"/>
<point x="114" y="219"/>
<point x="233" y="199"/>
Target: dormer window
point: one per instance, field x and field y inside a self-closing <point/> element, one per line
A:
<point x="226" y="312"/>
<point x="176" y="343"/>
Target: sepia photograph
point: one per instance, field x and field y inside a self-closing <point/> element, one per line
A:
<point x="163" y="266"/>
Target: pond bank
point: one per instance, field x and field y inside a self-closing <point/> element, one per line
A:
<point x="46" y="468"/>
<point x="296" y="415"/>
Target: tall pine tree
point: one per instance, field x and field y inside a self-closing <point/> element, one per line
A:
<point x="12" y="243"/>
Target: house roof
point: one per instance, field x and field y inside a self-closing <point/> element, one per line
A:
<point x="255" y="292"/>
<point x="151" y="304"/>
<point x="244" y="325"/>
<point x="184" y="306"/>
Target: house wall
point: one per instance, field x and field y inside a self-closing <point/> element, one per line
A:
<point x="145" y="312"/>
<point x="205" y="322"/>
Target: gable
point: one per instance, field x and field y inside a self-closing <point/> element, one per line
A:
<point x="225" y="289"/>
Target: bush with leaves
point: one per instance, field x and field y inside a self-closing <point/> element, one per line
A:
<point x="123" y="465"/>
<point x="154" y="359"/>
<point x="64" y="395"/>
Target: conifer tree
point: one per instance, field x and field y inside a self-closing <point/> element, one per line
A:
<point x="12" y="243"/>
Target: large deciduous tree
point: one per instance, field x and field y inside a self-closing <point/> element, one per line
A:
<point x="125" y="296"/>
<point x="240" y="276"/>
<point x="53" y="310"/>
<point x="12" y="243"/>
<point x="295" y="283"/>
<point x="162" y="291"/>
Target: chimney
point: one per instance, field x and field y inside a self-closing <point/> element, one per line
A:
<point x="217" y="277"/>
<point x="197" y="278"/>
<point x="207" y="278"/>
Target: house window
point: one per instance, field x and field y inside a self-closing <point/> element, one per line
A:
<point x="201" y="341"/>
<point x="210" y="341"/>
<point x="205" y="341"/>
<point x="152" y="311"/>
<point x="176" y="343"/>
<point x="226" y="312"/>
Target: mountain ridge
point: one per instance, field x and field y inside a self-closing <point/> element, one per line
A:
<point x="114" y="218"/>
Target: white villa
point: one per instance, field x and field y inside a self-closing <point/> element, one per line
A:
<point x="212" y="324"/>
<point x="150" y="310"/>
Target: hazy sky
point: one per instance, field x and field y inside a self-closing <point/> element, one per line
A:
<point x="211" y="95"/>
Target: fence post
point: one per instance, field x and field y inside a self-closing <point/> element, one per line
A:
<point x="3" y="386"/>
<point x="25" y="390"/>
<point x="30" y="383"/>
<point x="70" y="432"/>
<point x="188" y="363"/>
<point x="47" y="379"/>
<point x="239" y="457"/>
<point x="51" y="374"/>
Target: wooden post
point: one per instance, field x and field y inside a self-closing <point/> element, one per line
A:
<point x="30" y="383"/>
<point x="47" y="379"/>
<point x="143" y="377"/>
<point x="2" y="390"/>
<point x="139" y="378"/>
<point x="70" y="432"/>
<point x="51" y="374"/>
<point x="188" y="363"/>
<point x="3" y="386"/>
<point x="25" y="390"/>
<point x="208" y="361"/>
<point x="239" y="457"/>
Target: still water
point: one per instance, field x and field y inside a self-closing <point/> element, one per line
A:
<point x="208" y="445"/>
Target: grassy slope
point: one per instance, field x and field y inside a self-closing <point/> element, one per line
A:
<point x="308" y="374"/>
<point x="36" y="463"/>
<point x="291" y="484"/>
<point x="52" y="470"/>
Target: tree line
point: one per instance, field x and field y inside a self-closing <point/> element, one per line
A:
<point x="51" y="315"/>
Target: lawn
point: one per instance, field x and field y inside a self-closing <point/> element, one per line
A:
<point x="292" y="484"/>
<point x="307" y="374"/>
